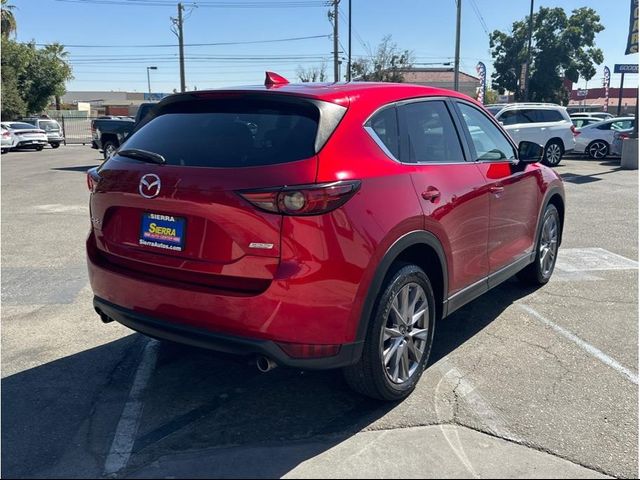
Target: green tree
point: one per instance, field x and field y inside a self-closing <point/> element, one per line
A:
<point x="563" y="47"/>
<point x="384" y="65"/>
<point x="7" y="19"/>
<point x="31" y="75"/>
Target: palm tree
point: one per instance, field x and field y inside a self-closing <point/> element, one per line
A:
<point x="8" y="20"/>
<point x="57" y="50"/>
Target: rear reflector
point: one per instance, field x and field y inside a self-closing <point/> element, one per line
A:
<point x="314" y="199"/>
<point x="300" y="350"/>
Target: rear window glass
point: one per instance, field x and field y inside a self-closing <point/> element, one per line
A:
<point x="230" y="133"/>
<point x="49" y="125"/>
<point x="20" y="125"/>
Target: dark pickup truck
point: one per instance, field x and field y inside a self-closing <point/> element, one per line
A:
<point x="107" y="134"/>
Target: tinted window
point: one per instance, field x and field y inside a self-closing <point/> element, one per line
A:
<point x="494" y="110"/>
<point x="49" y="125"/>
<point x="488" y="140"/>
<point x="20" y="125"/>
<point x="230" y="132"/>
<point x="385" y="126"/>
<point x="622" y="125"/>
<point x="581" y="122"/>
<point x="548" y="116"/>
<point x="429" y="133"/>
<point x="513" y="117"/>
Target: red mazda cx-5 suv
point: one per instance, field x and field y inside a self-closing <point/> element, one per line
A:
<point x="317" y="226"/>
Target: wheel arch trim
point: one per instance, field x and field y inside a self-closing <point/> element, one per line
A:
<point x="416" y="237"/>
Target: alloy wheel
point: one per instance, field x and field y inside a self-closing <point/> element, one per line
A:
<point x="109" y="151"/>
<point x="598" y="150"/>
<point x="548" y="245"/>
<point x="554" y="154"/>
<point x="405" y="335"/>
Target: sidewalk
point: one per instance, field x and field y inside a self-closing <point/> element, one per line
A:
<point x="447" y="451"/>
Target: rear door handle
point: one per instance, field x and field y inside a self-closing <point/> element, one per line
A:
<point x="496" y="189"/>
<point x="431" y="194"/>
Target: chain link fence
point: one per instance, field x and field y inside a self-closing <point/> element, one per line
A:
<point x="77" y="128"/>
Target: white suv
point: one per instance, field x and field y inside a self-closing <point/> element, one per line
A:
<point x="546" y="124"/>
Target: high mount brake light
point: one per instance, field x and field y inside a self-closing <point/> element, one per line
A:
<point x="314" y="199"/>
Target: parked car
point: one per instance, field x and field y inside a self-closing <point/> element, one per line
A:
<point x="598" y="115"/>
<point x="546" y="124"/>
<point x="595" y="140"/>
<point x="618" y="138"/>
<point x="109" y="133"/>
<point x="23" y="135"/>
<point x="55" y="135"/>
<point x="580" y="122"/>
<point x="7" y="139"/>
<point x="336" y="235"/>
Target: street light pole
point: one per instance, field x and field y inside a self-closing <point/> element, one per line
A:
<point x="526" y="77"/>
<point x="181" y="47"/>
<point x="456" y="68"/>
<point x="149" y="79"/>
<point x="336" y="66"/>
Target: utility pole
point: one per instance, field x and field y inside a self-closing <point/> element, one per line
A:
<point x="181" y="43"/>
<point x="349" y="59"/>
<point x="456" y="68"/>
<point x="528" y="64"/>
<point x="336" y="67"/>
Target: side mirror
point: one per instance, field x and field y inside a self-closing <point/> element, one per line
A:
<point x="530" y="152"/>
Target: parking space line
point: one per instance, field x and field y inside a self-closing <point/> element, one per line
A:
<point x="127" y="428"/>
<point x="590" y="349"/>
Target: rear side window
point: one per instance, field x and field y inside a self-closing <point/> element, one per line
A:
<point x="548" y="116"/>
<point x="231" y="132"/>
<point x="384" y="126"/>
<point x="20" y="125"/>
<point x="429" y="133"/>
<point x="513" y="117"/>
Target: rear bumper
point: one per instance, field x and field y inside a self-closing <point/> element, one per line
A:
<point x="198" y="337"/>
<point x="31" y="143"/>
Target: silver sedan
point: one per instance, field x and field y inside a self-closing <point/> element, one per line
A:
<point x="595" y="140"/>
<point x="22" y="135"/>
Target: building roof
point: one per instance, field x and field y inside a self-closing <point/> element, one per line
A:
<point x="435" y="75"/>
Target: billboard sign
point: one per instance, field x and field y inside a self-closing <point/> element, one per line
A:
<point x="632" y="39"/>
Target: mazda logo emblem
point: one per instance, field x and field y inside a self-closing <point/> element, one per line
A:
<point x="149" y="185"/>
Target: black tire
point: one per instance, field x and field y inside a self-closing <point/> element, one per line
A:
<point x="55" y="145"/>
<point x="553" y="152"/>
<point x="108" y="148"/>
<point x="5" y="150"/>
<point x="598" y="149"/>
<point x="370" y="375"/>
<point x="39" y="149"/>
<point x="535" y="274"/>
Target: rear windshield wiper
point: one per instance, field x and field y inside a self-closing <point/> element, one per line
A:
<point x="143" y="155"/>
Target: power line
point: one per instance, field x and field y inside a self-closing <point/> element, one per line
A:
<point x="476" y="10"/>
<point x="204" y="4"/>
<point x="173" y="45"/>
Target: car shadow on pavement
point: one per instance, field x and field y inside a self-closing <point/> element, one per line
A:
<point x="59" y="419"/>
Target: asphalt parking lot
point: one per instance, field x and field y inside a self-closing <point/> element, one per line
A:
<point x="523" y="383"/>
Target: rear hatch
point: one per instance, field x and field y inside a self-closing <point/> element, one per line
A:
<point x="183" y="220"/>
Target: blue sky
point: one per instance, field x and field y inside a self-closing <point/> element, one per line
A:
<point x="426" y="27"/>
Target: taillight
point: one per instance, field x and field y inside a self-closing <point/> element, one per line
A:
<point x="575" y="131"/>
<point x="312" y="199"/>
<point x="622" y="136"/>
<point x="92" y="179"/>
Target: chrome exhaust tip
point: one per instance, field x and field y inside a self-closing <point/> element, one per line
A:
<point x="265" y="364"/>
